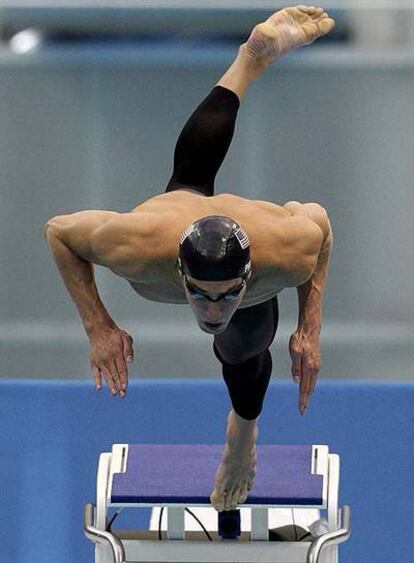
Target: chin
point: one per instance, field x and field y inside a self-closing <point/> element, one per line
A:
<point x="211" y="330"/>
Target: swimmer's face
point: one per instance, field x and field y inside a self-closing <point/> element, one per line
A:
<point x="214" y="302"/>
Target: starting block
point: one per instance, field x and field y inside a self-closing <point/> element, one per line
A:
<point x="177" y="477"/>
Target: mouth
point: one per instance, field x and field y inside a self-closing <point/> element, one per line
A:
<point x="213" y="327"/>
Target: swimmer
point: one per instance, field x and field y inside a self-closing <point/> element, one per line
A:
<point x="225" y="255"/>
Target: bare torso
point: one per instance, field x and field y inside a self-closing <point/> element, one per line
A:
<point x="284" y="244"/>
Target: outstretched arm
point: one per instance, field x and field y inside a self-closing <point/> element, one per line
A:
<point x="310" y="294"/>
<point x="304" y="343"/>
<point x="71" y="240"/>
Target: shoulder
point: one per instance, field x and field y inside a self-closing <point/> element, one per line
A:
<point x="294" y="245"/>
<point x="314" y="211"/>
<point x="126" y="239"/>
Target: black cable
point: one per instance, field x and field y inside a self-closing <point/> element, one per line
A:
<point x="192" y="514"/>
<point x="294" y="525"/>
<point x="109" y="527"/>
<point x="121" y="509"/>
<point x="195" y="517"/>
<point x="305" y="535"/>
<point x="113" y="518"/>
<point x="159" y="523"/>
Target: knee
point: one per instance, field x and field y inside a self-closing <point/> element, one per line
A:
<point x="247" y="384"/>
<point x="257" y="366"/>
<point x="235" y="356"/>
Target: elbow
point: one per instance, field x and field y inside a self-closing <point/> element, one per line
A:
<point x="322" y="220"/>
<point x="51" y="227"/>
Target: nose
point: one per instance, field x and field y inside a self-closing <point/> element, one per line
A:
<point x="213" y="313"/>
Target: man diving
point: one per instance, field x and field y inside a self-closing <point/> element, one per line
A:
<point x="225" y="255"/>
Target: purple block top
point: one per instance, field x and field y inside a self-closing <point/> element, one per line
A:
<point x="184" y="474"/>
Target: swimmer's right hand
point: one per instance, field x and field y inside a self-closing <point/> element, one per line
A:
<point x="111" y="350"/>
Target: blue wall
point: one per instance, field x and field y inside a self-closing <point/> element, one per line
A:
<point x="52" y="433"/>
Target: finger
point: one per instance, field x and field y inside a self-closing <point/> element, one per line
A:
<point x="128" y="349"/>
<point x="296" y="369"/>
<point x="123" y="374"/>
<point x="307" y="373"/>
<point x="97" y="375"/>
<point x="311" y="361"/>
<point x="314" y="379"/>
<point x="296" y="355"/>
<point x="116" y="376"/>
<point x="311" y="367"/>
<point x="303" y="395"/>
<point x="296" y="366"/>
<point x="293" y="345"/>
<point x="109" y="373"/>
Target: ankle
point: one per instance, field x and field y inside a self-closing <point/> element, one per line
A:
<point x="241" y="433"/>
<point x="252" y="66"/>
<point x="241" y="444"/>
<point x="242" y="422"/>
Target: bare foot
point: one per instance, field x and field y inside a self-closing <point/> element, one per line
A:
<point x="235" y="475"/>
<point x="286" y="30"/>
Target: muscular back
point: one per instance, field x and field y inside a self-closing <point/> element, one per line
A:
<point x="142" y="245"/>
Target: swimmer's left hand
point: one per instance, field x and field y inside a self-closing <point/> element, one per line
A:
<point x="305" y="352"/>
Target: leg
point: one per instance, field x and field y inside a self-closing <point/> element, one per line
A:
<point x="204" y="141"/>
<point x="206" y="137"/>
<point x="247" y="364"/>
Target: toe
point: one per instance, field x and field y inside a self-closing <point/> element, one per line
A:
<point x="235" y="498"/>
<point x="227" y="500"/>
<point x="323" y="16"/>
<point x="243" y="494"/>
<point x="326" y="25"/>
<point x="319" y="14"/>
<point x="217" y="500"/>
<point x="307" y="9"/>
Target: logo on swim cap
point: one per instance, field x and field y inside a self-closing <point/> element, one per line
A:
<point x="191" y="228"/>
<point x="240" y="234"/>
<point x="242" y="237"/>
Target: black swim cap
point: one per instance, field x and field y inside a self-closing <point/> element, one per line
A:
<point x="214" y="248"/>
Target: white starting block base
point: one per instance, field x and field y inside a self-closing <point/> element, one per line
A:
<point x="277" y="517"/>
<point x="184" y="540"/>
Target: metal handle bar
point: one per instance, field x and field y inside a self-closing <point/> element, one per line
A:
<point x="331" y="538"/>
<point x="99" y="536"/>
